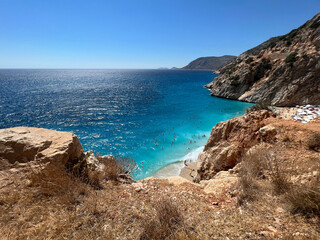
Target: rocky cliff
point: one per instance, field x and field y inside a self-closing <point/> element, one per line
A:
<point x="284" y="70"/>
<point x="228" y="141"/>
<point x="209" y="63"/>
<point x="294" y="144"/>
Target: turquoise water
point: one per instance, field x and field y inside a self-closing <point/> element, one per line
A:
<point x="157" y="117"/>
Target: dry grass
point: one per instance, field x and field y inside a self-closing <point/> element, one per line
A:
<point x="118" y="167"/>
<point x="305" y="200"/>
<point x="46" y="205"/>
<point x="279" y="180"/>
<point x="313" y="141"/>
<point x="53" y="181"/>
<point x="258" y="164"/>
<point x="253" y="166"/>
<point x="168" y="223"/>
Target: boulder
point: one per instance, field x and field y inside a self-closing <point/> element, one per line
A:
<point x="25" y="144"/>
<point x="223" y="182"/>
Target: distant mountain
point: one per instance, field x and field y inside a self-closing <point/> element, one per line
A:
<point x="209" y="63"/>
<point x="284" y="70"/>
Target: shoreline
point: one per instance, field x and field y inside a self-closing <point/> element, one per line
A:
<point x="181" y="168"/>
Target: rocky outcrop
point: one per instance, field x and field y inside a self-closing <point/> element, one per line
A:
<point x="39" y="146"/>
<point x="284" y="70"/>
<point x="209" y="63"/>
<point x="229" y="140"/>
<point x="25" y="144"/>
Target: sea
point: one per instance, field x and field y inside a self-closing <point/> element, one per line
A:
<point x="159" y="118"/>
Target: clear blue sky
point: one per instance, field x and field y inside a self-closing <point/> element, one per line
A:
<point x="139" y="33"/>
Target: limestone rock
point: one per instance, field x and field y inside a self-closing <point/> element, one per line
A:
<point x="220" y="183"/>
<point x="227" y="142"/>
<point x="24" y="144"/>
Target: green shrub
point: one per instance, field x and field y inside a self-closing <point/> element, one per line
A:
<point x="291" y="58"/>
<point x="272" y="44"/>
<point x="315" y="24"/>
<point x="234" y="83"/>
<point x="235" y="78"/>
<point x="263" y="105"/>
<point x="249" y="60"/>
<point x="266" y="64"/>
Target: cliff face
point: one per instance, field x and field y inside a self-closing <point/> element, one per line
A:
<point x="228" y="141"/>
<point x="294" y="144"/>
<point x="209" y="63"/>
<point x="284" y="70"/>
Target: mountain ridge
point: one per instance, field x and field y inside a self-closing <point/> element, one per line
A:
<point x="209" y="63"/>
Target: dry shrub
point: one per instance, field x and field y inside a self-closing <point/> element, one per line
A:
<point x="52" y="181"/>
<point x="168" y="224"/>
<point x="257" y="164"/>
<point x="279" y="180"/>
<point x="304" y="200"/>
<point x="51" y="204"/>
<point x="253" y="165"/>
<point x="117" y="167"/>
<point x="313" y="141"/>
<point x="263" y="105"/>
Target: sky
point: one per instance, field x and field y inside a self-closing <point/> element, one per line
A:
<point x="139" y="34"/>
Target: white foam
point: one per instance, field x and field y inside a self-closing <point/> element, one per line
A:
<point x="174" y="168"/>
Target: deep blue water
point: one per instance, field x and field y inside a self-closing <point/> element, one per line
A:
<point x="156" y="117"/>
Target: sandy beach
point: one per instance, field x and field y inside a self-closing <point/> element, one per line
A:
<point x="189" y="172"/>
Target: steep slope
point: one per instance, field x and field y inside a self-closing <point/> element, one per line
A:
<point x="284" y="70"/>
<point x="209" y="63"/>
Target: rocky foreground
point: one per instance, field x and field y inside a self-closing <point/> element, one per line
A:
<point x="257" y="178"/>
<point x="285" y="70"/>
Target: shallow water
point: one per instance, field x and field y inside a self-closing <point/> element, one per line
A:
<point x="157" y="117"/>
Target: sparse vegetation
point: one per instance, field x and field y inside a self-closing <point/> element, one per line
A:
<point x="234" y="78"/>
<point x="315" y="24"/>
<point x="249" y="60"/>
<point x="305" y="200"/>
<point x="257" y="164"/>
<point x="279" y="181"/>
<point x="272" y="44"/>
<point x="263" y="105"/>
<point x="253" y="165"/>
<point x="290" y="36"/>
<point x="291" y="58"/>
<point x="266" y="64"/>
<point x="117" y="167"/>
<point x="234" y="83"/>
